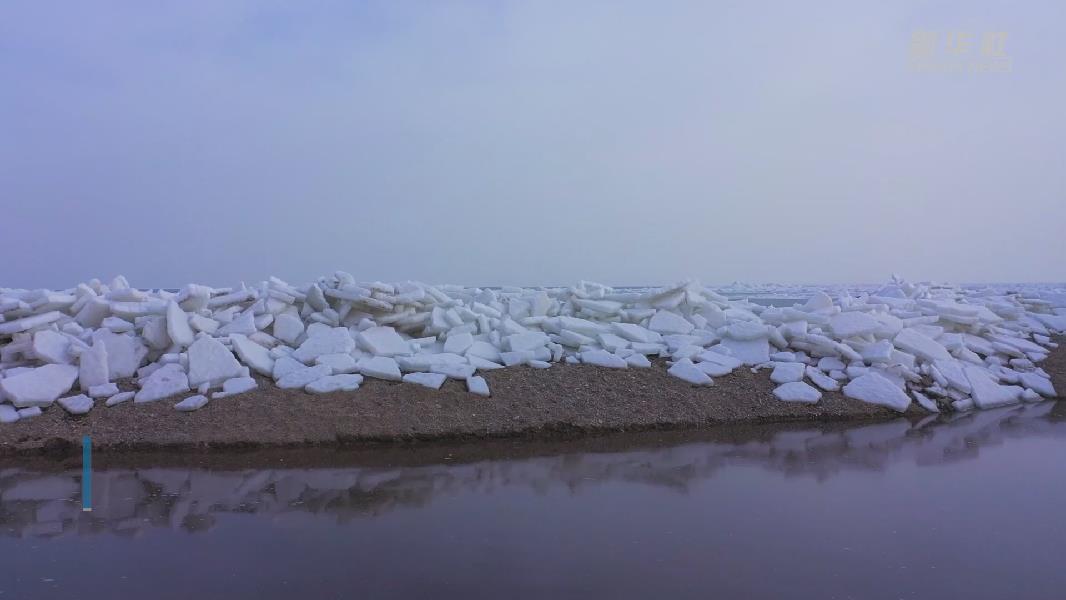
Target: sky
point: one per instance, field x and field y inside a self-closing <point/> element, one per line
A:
<point x="531" y="143"/>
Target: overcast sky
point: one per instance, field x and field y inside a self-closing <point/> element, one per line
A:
<point x="528" y="142"/>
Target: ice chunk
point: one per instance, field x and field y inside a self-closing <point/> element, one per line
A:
<point x="822" y="380"/>
<point x="303" y="376"/>
<point x="912" y="341"/>
<point x="1029" y="395"/>
<point x="831" y="363"/>
<point x="963" y="404"/>
<point x="103" y="390"/>
<point x="853" y="323"/>
<point x="797" y="391"/>
<point x="516" y="358"/>
<point x="285" y="365"/>
<point x="155" y="333"/>
<point x="205" y="324"/>
<point x="925" y="402"/>
<point x="288" y="328"/>
<point x="483" y="350"/>
<point x="1056" y="322"/>
<point x="480" y="363"/>
<point x="478" y="385"/>
<point x="125" y="353"/>
<point x="8" y="413"/>
<point x="666" y="322"/>
<point x="718" y="358"/>
<point x="210" y="362"/>
<point x="119" y="398"/>
<point x="191" y="403"/>
<point x="178" y="325"/>
<point x="252" y="354"/>
<point x="347" y="382"/>
<point x="458" y="343"/>
<point x="890" y="325"/>
<point x="818" y="302"/>
<point x="239" y="385"/>
<point x="93" y="312"/>
<point x="787" y="372"/>
<point x="1019" y="344"/>
<point x="331" y="340"/>
<point x="1038" y="384"/>
<point x="600" y="307"/>
<point x="32" y="411"/>
<point x="686" y="351"/>
<point x="686" y="371"/>
<point x="647" y="348"/>
<point x="749" y="352"/>
<point x="714" y="369"/>
<point x="855" y="371"/>
<point x="574" y="339"/>
<point x="340" y="363"/>
<point x="987" y="393"/>
<point x="453" y="370"/>
<point x="635" y="333"/>
<point x="30" y="322"/>
<point x="52" y="346"/>
<point x="602" y="358"/>
<point x="875" y="389"/>
<point x="746" y="331"/>
<point x="582" y="326"/>
<point x="243" y="324"/>
<point x="117" y="325"/>
<point x="953" y="374"/>
<point x="638" y="360"/>
<point x="423" y="362"/>
<point x="39" y="386"/>
<point x="878" y="352"/>
<point x="165" y="381"/>
<point x="430" y="380"/>
<point x="383" y="341"/>
<point x="530" y="340"/>
<point x="612" y="342"/>
<point x="76" y="405"/>
<point x="92" y="366"/>
<point x="380" y="367"/>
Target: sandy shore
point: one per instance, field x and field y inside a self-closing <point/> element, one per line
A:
<point x="564" y="401"/>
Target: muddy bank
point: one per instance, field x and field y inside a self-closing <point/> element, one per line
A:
<point x="975" y="427"/>
<point x="562" y="402"/>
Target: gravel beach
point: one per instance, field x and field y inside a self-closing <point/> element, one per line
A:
<point x="561" y="402"/>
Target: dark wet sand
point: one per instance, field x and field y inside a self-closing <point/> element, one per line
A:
<point x="564" y="401"/>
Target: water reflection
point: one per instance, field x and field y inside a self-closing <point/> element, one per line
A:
<point x="129" y="501"/>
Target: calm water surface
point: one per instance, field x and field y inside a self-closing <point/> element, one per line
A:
<point x="969" y="507"/>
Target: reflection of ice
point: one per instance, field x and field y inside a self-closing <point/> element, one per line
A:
<point x="42" y="488"/>
<point x="127" y="501"/>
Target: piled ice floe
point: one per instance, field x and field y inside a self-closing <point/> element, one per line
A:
<point x="941" y="346"/>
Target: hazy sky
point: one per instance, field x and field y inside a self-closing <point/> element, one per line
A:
<point x="527" y="142"/>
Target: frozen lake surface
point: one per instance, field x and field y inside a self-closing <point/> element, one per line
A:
<point x="969" y="507"/>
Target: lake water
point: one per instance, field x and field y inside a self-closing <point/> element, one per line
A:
<point x="973" y="506"/>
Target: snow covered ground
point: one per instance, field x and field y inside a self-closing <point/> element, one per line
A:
<point x="942" y="346"/>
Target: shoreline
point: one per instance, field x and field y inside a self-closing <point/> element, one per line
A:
<point x="813" y="437"/>
<point x="401" y="454"/>
<point x="563" y="402"/>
